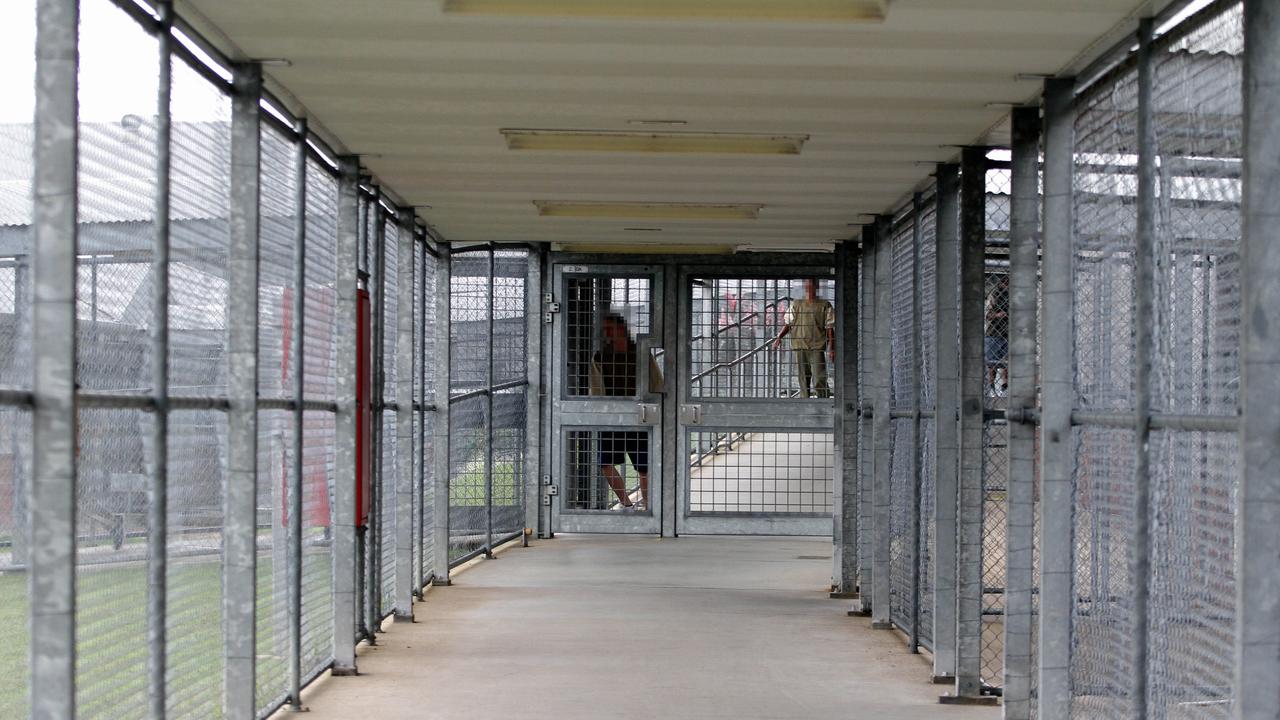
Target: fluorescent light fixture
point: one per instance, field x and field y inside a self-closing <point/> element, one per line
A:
<point x="794" y="10"/>
<point x="674" y="211"/>
<point x="642" y="121"/>
<point x="657" y="142"/>
<point x="826" y="247"/>
<point x="643" y="229"/>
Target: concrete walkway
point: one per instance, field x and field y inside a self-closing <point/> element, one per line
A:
<point x="593" y="627"/>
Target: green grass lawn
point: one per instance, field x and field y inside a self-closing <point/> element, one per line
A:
<point x="111" y="637"/>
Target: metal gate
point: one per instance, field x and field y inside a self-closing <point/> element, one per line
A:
<point x="755" y="441"/>
<point x="606" y="408"/>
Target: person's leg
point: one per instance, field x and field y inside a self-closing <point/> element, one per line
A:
<point x="802" y="371"/>
<point x="617" y="483"/>
<point x="638" y="449"/>
<point x="820" y="386"/>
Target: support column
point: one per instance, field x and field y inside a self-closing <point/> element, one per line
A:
<point x="298" y="372"/>
<point x="845" y="579"/>
<point x="668" y="486"/>
<point x="51" y="585"/>
<point x="377" y="329"/>
<point x="404" y="416"/>
<point x="1024" y="265"/>
<point x="972" y="262"/>
<point x="347" y="421"/>
<point x="1056" y="398"/>
<point x="240" y="490"/>
<point x="946" y="442"/>
<point x="534" y="394"/>
<point x="1258" y="614"/>
<point x="880" y="428"/>
<point x="423" y="400"/>
<point x="441" y="506"/>
<point x="488" y="415"/>
<point x="158" y="488"/>
<point x="866" y="394"/>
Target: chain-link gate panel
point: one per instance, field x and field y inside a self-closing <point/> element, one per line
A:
<point x="902" y="437"/>
<point x="927" y="276"/>
<point x="1102" y="663"/>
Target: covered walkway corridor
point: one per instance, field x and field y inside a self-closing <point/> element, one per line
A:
<point x="585" y="627"/>
<point x="638" y="358"/>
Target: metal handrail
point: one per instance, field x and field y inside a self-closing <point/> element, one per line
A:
<point x="733" y="363"/>
<point x="738" y="323"/>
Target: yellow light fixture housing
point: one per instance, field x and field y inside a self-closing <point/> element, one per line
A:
<point x="789" y="10"/>
<point x="648" y="210"/>
<point x="654" y="142"/>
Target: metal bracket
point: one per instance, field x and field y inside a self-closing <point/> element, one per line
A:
<point x="649" y="414"/>
<point x="553" y="490"/>
<point x="691" y="414"/>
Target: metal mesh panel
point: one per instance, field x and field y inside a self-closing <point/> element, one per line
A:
<point x="15" y="473"/>
<point x="275" y="447"/>
<point x="427" y="457"/>
<point x="111" y="553"/>
<point x="778" y="473"/>
<point x="995" y="432"/>
<point x="734" y="324"/>
<point x="318" y="440"/>
<point x="927" y="257"/>
<point x="589" y="301"/>
<point x="320" y="345"/>
<point x="588" y="454"/>
<point x="197" y="442"/>
<point x="469" y="343"/>
<point x="508" y="461"/>
<point x="389" y="463"/>
<point x="466" y="476"/>
<point x="275" y="262"/>
<point x="510" y="352"/>
<point x="1196" y="96"/>
<point x="903" y="451"/>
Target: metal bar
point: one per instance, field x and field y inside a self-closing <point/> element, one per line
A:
<point x="880" y="429"/>
<point x="1144" y="293"/>
<point x="973" y="238"/>
<point x="1057" y="395"/>
<point x="441" y="508"/>
<point x="481" y="392"/>
<point x="347" y="421"/>
<point x="404" y="418"/>
<point x="913" y="639"/>
<point x="946" y="441"/>
<point x="1257" y="632"/>
<point x="51" y="585"/>
<point x="373" y="533"/>
<point x="158" y="490"/>
<point x="421" y="406"/>
<point x="535" y="394"/>
<point x="488" y="422"/>
<point x="297" y="368"/>
<point x="1024" y="261"/>
<point x="482" y="551"/>
<point x="240" y="489"/>
<point x="291" y="405"/>
<point x="845" y="555"/>
<point x="866" y="457"/>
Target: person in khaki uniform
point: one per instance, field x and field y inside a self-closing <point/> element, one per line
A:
<point x="811" y="323"/>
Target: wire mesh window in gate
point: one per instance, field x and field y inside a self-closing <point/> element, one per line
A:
<point x="766" y="472"/>
<point x="607" y="470"/>
<point x="734" y="347"/>
<point x="605" y="318"/>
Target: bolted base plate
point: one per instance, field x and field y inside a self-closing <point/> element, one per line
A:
<point x="980" y="700"/>
<point x="881" y="626"/>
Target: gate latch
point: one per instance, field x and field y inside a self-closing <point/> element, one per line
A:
<point x="691" y="414"/>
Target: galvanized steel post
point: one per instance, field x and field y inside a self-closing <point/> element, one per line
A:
<point x="1144" y="294"/>
<point x="404" y="416"/>
<point x="297" y="370"/>
<point x="866" y="394"/>
<point x="1057" y="396"/>
<point x="882" y="499"/>
<point x="972" y="263"/>
<point x="534" y="392"/>
<point x="420" y="570"/>
<point x="51" y="584"/>
<point x="1024" y="265"/>
<point x="946" y="427"/>
<point x="488" y="416"/>
<point x="913" y="634"/>
<point x="845" y="556"/>
<point x="158" y="487"/>
<point x="1257" y="640"/>
<point x="441" y="507"/>
<point x="347" y="421"/>
<point x="240" y="488"/>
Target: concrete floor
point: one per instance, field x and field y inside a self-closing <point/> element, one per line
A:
<point x="591" y="627"/>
